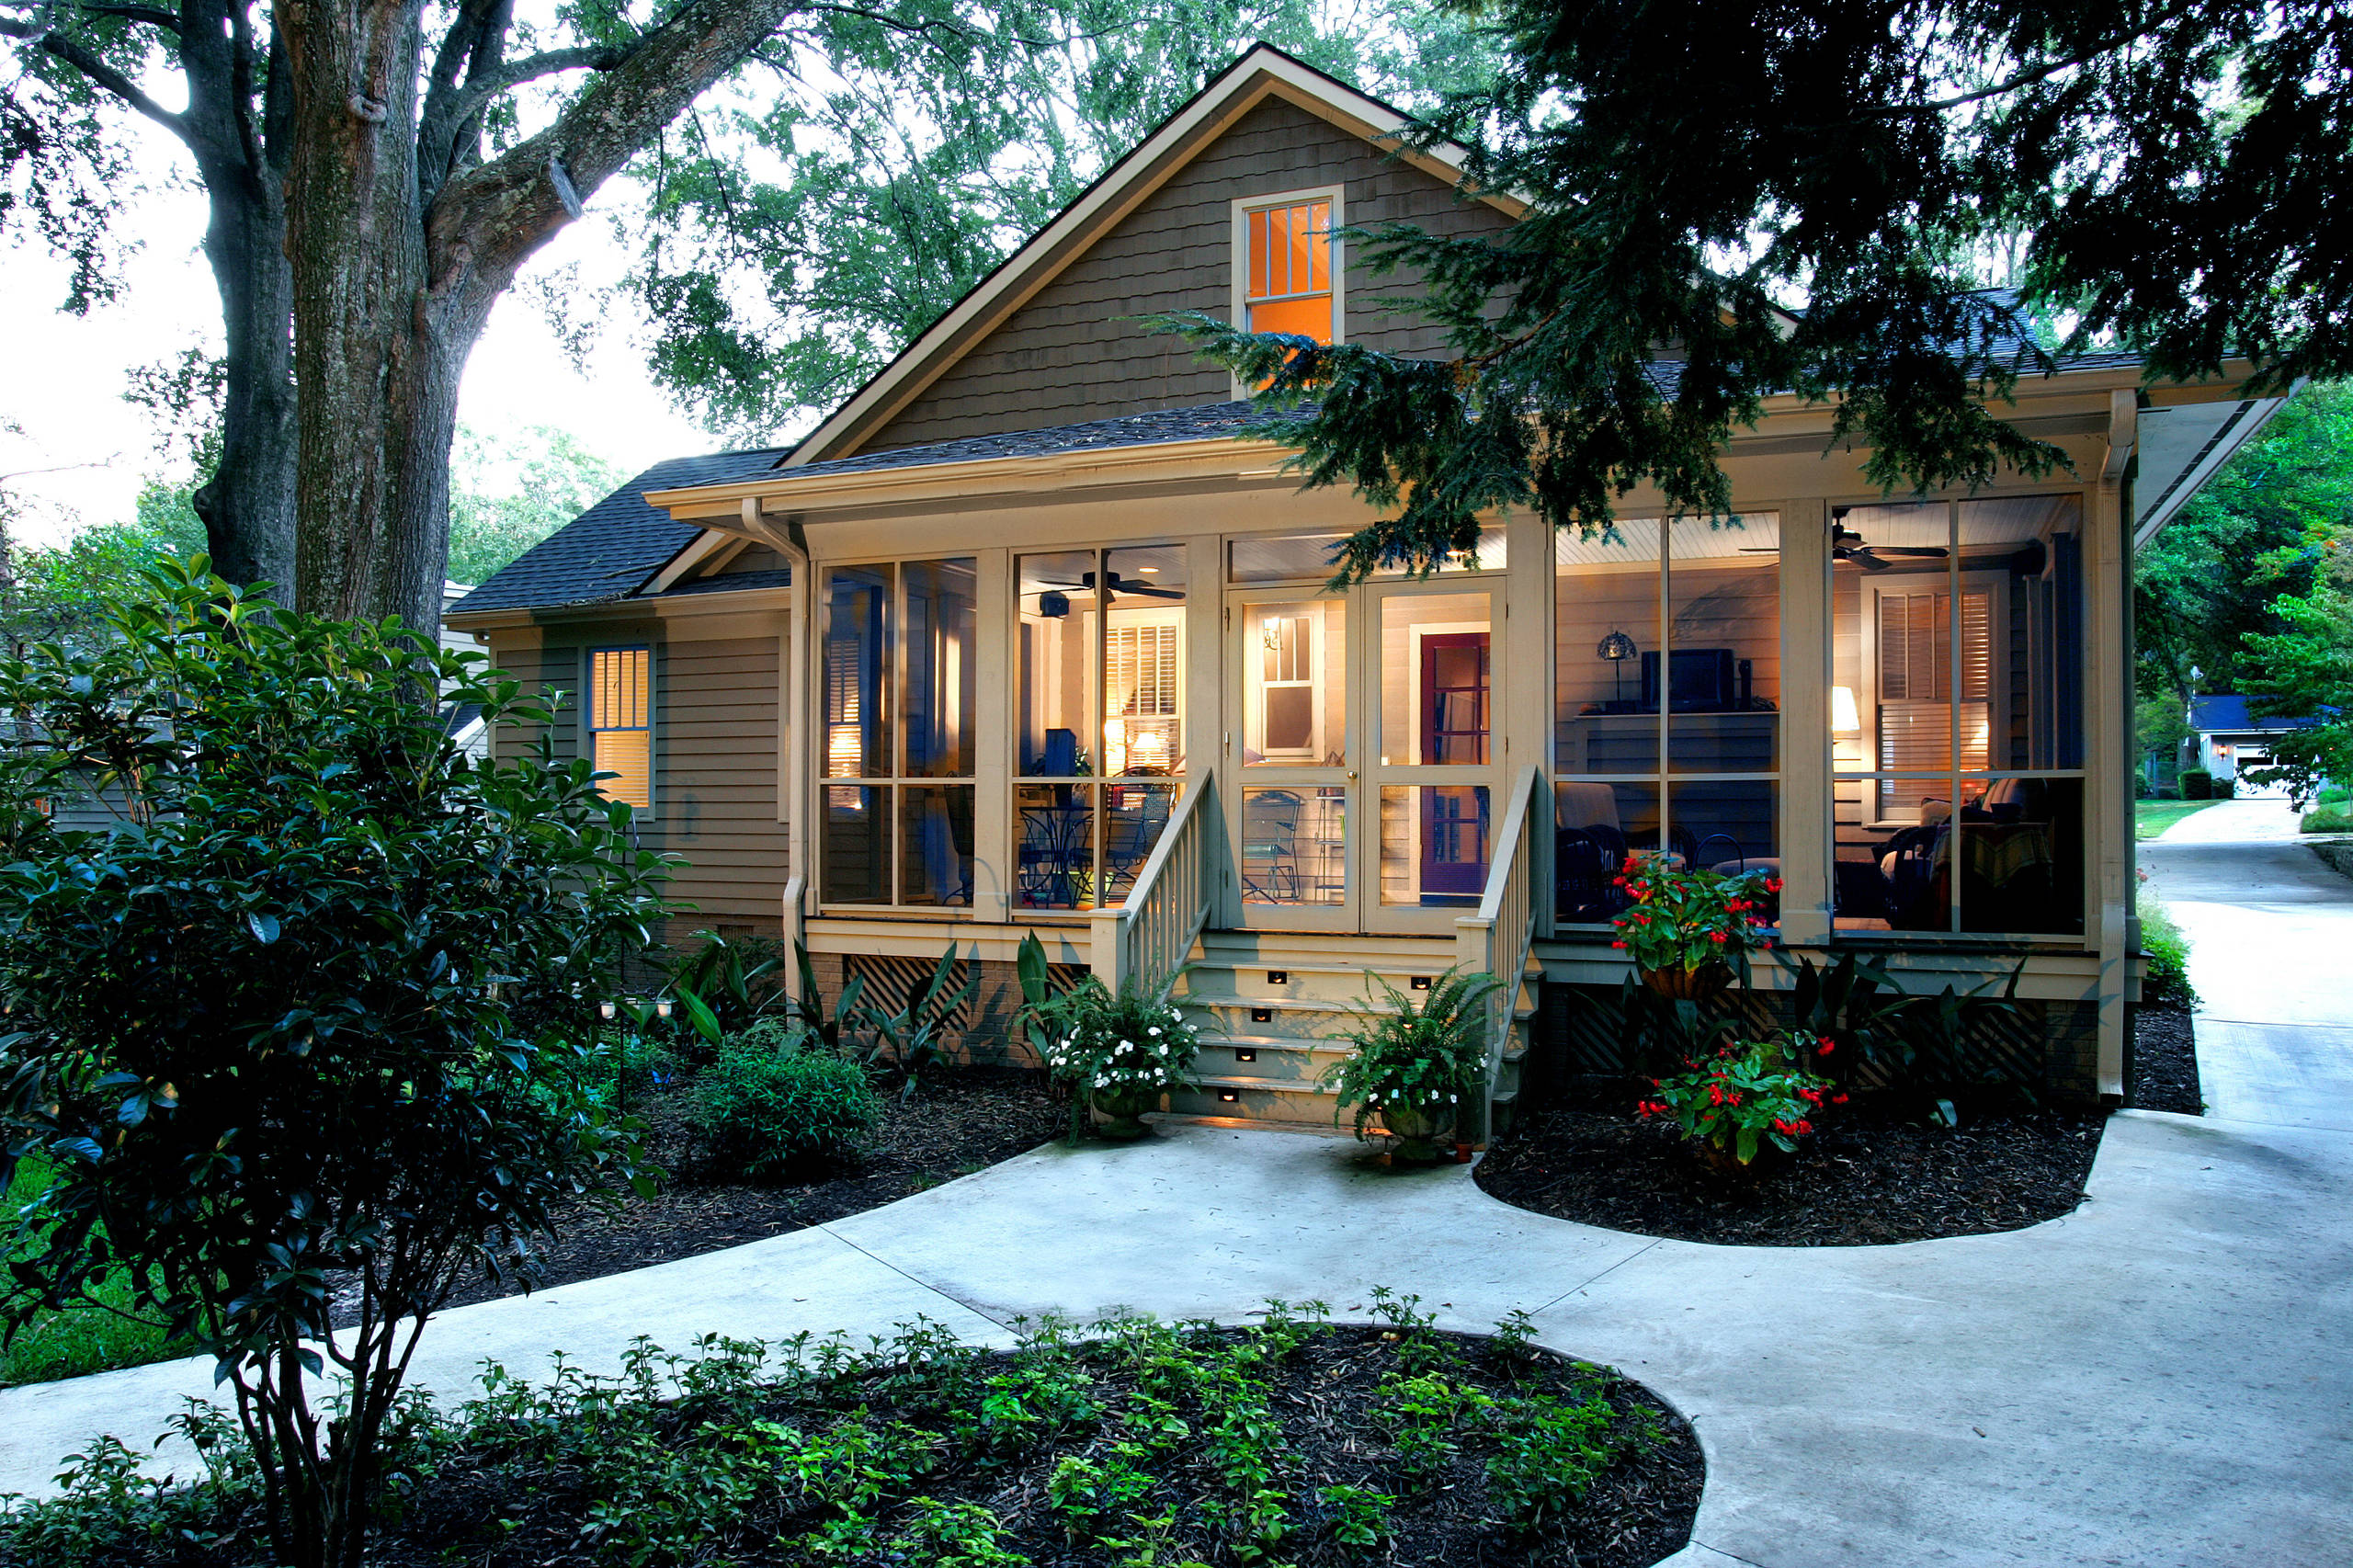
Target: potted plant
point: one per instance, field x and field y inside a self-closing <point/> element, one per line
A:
<point x="1752" y="1097"/>
<point x="1117" y="1054"/>
<point x="1414" y="1062"/>
<point x="1690" y="930"/>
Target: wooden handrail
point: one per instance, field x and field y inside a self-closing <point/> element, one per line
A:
<point x="1498" y="938"/>
<point x="1143" y="941"/>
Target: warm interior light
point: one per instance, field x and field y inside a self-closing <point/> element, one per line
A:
<point x="844" y="749"/>
<point x="1845" y="719"/>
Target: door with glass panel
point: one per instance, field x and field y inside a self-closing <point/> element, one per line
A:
<point x="1292" y="809"/>
<point x="1430" y="681"/>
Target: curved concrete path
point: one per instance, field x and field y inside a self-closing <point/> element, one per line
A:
<point x="2159" y="1379"/>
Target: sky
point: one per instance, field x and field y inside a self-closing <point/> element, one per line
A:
<point x="62" y="377"/>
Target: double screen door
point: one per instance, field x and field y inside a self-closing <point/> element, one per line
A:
<point x="1361" y="766"/>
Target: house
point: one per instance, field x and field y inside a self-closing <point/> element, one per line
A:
<point x="1026" y="638"/>
<point x="2227" y="735"/>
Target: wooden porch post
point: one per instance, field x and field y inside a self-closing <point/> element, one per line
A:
<point x="1525" y="647"/>
<point x="2109" y="680"/>
<point x="1807" y="790"/>
<point x="994" y="875"/>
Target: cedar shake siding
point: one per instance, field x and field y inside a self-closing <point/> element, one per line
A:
<point x="715" y="742"/>
<point x="1075" y="351"/>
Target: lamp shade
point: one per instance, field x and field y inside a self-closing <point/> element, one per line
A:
<point x="1845" y="719"/>
<point x="1614" y="647"/>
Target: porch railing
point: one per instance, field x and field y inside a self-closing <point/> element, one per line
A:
<point x="1497" y="939"/>
<point x="795" y="934"/>
<point x="1142" y="941"/>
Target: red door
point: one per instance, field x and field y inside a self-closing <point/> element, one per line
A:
<point x="1454" y="722"/>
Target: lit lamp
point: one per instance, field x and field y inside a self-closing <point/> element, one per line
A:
<point x="1845" y="719"/>
<point x="1617" y="648"/>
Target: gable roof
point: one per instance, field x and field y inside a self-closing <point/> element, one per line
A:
<point x="1261" y="73"/>
<point x="613" y="548"/>
<point x="2227" y="712"/>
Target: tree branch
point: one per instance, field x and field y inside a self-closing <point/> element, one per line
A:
<point x="97" y="73"/>
<point x="148" y="13"/>
<point x="464" y="102"/>
<point x="486" y="221"/>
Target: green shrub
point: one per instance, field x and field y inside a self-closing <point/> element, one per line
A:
<point x="2197" y="784"/>
<point x="2168" y="950"/>
<point x="769" y="1108"/>
<point x="1551" y="1452"/>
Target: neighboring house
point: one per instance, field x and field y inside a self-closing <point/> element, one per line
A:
<point x="2227" y="735"/>
<point x="1025" y="637"/>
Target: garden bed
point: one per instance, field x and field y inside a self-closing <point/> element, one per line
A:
<point x="961" y="1119"/>
<point x="1293" y="1441"/>
<point x="1871" y="1175"/>
<point x="1867" y="1178"/>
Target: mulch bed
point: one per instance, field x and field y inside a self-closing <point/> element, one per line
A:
<point x="1874" y="1174"/>
<point x="2164" y="1061"/>
<point x="1327" y="1418"/>
<point x="961" y="1119"/>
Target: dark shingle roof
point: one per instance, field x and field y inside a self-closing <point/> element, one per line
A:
<point x="610" y="550"/>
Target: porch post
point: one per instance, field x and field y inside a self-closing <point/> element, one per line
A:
<point x="2109" y="679"/>
<point x="994" y="872"/>
<point x="1807" y="791"/>
<point x="1205" y="717"/>
<point x="1528" y="672"/>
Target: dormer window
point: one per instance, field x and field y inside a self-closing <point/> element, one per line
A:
<point x="1285" y="260"/>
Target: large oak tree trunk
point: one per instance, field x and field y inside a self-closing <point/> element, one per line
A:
<point x="396" y="265"/>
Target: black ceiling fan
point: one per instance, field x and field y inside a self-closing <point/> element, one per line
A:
<point x="1113" y="582"/>
<point x="1845" y="544"/>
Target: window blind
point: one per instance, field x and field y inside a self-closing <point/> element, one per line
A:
<point x="621" y="722"/>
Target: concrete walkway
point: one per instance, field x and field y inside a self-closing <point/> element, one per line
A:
<point x="2158" y="1380"/>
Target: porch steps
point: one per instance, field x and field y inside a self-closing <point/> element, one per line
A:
<point x="1269" y="1008"/>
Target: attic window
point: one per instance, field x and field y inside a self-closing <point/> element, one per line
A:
<point x="1284" y="254"/>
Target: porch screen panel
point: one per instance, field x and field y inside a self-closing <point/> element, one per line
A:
<point x="1100" y="735"/>
<point x="1960" y="783"/>
<point x="898" y="705"/>
<point x="1668" y="729"/>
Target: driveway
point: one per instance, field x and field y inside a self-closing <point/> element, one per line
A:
<point x="2159" y="1379"/>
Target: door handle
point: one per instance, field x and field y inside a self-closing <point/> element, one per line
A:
<point x="1352" y="774"/>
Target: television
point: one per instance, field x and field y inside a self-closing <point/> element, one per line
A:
<point x="1699" y="680"/>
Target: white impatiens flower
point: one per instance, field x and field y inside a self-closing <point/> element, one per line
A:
<point x="1153" y="1030"/>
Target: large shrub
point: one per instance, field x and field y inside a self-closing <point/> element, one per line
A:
<point x="2197" y="784"/>
<point x="770" y="1109"/>
<point x="325" y="1001"/>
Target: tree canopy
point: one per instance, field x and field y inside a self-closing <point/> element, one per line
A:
<point x="1806" y="204"/>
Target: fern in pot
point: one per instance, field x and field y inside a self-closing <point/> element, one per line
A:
<point x="1416" y="1063"/>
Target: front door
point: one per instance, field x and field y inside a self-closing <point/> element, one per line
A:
<point x="1292" y="809"/>
<point x="1362" y="766"/>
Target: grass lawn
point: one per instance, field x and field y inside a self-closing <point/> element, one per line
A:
<point x="2151" y="818"/>
<point x="68" y="1343"/>
<point x="2332" y="812"/>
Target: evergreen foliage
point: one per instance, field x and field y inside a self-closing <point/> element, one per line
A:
<point x="2162" y="177"/>
<point x="325" y="1003"/>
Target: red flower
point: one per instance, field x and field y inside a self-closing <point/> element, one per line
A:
<point x="1826" y="1043"/>
<point x="1618" y="945"/>
<point x="1773" y="885"/>
<point x="1804" y="1126"/>
<point x="1838" y="1099"/>
<point x="1715" y="936"/>
<point x="1731" y="1099"/>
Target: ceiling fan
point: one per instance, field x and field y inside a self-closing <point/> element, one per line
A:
<point x="1054" y="605"/>
<point x="1845" y="544"/>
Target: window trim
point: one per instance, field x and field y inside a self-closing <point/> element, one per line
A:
<point x="590" y="728"/>
<point x="1239" y="211"/>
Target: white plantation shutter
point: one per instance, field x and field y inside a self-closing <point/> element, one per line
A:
<point x="1917" y="713"/>
<point x="621" y="722"/>
<point x="1140" y="672"/>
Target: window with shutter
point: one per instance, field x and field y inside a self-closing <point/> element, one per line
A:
<point x="620" y="723"/>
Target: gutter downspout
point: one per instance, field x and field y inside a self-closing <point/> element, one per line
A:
<point x="793" y="791"/>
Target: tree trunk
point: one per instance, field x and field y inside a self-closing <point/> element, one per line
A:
<point x="394" y="277"/>
<point x="249" y="504"/>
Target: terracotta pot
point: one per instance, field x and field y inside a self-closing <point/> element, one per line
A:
<point x="1689" y="984"/>
<point x="1118" y="1113"/>
<point x="1419" y="1132"/>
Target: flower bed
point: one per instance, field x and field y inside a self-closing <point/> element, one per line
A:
<point x="1132" y="1442"/>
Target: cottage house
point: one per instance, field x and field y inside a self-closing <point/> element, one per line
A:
<point x="1026" y="638"/>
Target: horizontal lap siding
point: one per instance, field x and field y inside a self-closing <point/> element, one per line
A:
<point x="714" y="762"/>
<point x="1075" y="351"/>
